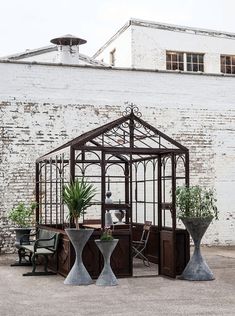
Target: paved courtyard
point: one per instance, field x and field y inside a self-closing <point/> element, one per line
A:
<point x="148" y="295"/>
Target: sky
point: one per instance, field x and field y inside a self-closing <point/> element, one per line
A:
<point x="30" y="24"/>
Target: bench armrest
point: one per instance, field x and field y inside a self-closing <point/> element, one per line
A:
<point x="27" y="235"/>
<point x="43" y="246"/>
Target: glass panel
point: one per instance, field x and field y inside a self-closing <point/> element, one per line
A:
<point x="189" y="67"/>
<point x="168" y="57"/>
<point x="222" y="60"/>
<point x="195" y="67"/>
<point x="181" y="57"/>
<point x="201" y="68"/>
<point x="174" y="66"/>
<point x="228" y="60"/>
<point x="168" y="66"/>
<point x="181" y="66"/>
<point x="233" y="60"/>
<point x="233" y="70"/>
<point x="222" y="68"/>
<point x="174" y="57"/>
<point x="201" y="59"/>
<point x="228" y="70"/>
<point x="189" y="58"/>
<point x="195" y="58"/>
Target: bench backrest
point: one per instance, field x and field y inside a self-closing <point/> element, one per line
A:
<point x="47" y="234"/>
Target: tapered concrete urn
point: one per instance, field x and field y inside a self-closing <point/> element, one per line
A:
<point x="197" y="268"/>
<point x="78" y="275"/>
<point x="107" y="277"/>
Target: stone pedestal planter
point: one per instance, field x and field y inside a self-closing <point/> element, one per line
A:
<point x="22" y="233"/>
<point x="197" y="268"/>
<point x="78" y="275"/>
<point x="107" y="277"/>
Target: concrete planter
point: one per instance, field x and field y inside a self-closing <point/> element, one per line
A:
<point x="197" y="268"/>
<point x="107" y="277"/>
<point x="78" y="275"/>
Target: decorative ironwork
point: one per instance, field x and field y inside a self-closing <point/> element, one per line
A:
<point x="131" y="108"/>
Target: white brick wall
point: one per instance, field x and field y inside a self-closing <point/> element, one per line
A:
<point x="44" y="106"/>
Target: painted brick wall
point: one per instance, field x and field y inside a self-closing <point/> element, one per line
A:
<point x="43" y="106"/>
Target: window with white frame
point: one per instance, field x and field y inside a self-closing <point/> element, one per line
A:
<point x="184" y="61"/>
<point x="227" y="64"/>
<point x="174" y="61"/>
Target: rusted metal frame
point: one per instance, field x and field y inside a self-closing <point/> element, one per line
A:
<point x="144" y="159"/>
<point x="50" y="193"/>
<point x="136" y="139"/>
<point x="154" y="193"/>
<point x="136" y="151"/>
<point x="118" y="156"/>
<point x="187" y="178"/>
<point x="169" y="139"/>
<point x="131" y="191"/>
<point x="127" y="192"/>
<point x="37" y="191"/>
<point x="144" y="192"/>
<point x="61" y="190"/>
<point x="159" y="180"/>
<point x="103" y="191"/>
<point x="146" y="136"/>
<point x="72" y="174"/>
<point x="135" y="174"/>
<point x="56" y="192"/>
<point x="173" y="209"/>
<point x="82" y="139"/>
<point x="45" y="187"/>
<point x="159" y="192"/>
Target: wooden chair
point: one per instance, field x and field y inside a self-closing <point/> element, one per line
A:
<point x="139" y="246"/>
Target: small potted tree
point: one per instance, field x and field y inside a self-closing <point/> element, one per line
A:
<point x="77" y="196"/>
<point x="196" y="208"/>
<point x="22" y="217"/>
<point x="106" y="245"/>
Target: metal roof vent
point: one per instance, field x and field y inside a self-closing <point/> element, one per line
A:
<point x="68" y="48"/>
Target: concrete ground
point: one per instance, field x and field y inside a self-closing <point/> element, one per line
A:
<point x="47" y="295"/>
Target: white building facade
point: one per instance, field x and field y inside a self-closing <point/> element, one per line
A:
<point x="44" y="103"/>
<point x="150" y="45"/>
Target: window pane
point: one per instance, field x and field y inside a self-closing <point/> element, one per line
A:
<point x="168" y="57"/>
<point x="181" y="66"/>
<point x="201" y="59"/>
<point x="233" y="60"/>
<point x="168" y="66"/>
<point x="222" y="68"/>
<point x="195" y="59"/>
<point x="174" y="57"/>
<point x="233" y="70"/>
<point x="228" y="70"/>
<point x="189" y="67"/>
<point x="189" y="58"/>
<point x="222" y="60"/>
<point x="201" y="68"/>
<point x="228" y="60"/>
<point x="195" y="67"/>
<point x="181" y="57"/>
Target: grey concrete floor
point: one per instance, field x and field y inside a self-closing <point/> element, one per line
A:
<point x="47" y="295"/>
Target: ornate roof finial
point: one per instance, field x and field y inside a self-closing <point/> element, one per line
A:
<point x="131" y="108"/>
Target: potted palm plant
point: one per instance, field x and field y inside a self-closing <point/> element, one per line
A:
<point x="22" y="218"/>
<point x="77" y="196"/>
<point x="106" y="245"/>
<point x="196" y="208"/>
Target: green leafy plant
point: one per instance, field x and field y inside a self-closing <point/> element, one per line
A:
<point x="77" y="196"/>
<point x="107" y="235"/>
<point x="21" y="215"/>
<point x="196" y="201"/>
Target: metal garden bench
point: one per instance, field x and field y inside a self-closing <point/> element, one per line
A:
<point x="45" y="244"/>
